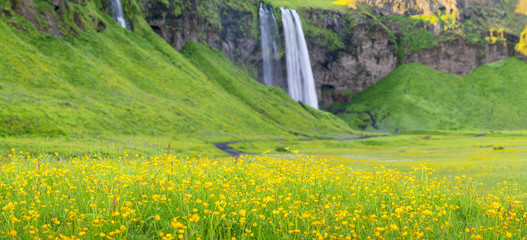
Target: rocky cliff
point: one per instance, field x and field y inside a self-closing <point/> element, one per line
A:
<point x="347" y="54"/>
<point x="459" y="57"/>
<point x="350" y="51"/>
<point x="374" y="45"/>
<point x="232" y="29"/>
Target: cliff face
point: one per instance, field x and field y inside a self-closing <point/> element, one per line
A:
<point x="349" y="51"/>
<point x="459" y="57"/>
<point x="411" y="7"/>
<point x="372" y="48"/>
<point x="228" y="29"/>
<point x="347" y="55"/>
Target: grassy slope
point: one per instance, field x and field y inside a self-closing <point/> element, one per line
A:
<point x="417" y="97"/>
<point x="271" y="102"/>
<point x="117" y="83"/>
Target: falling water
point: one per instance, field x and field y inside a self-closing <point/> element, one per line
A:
<point x="270" y="43"/>
<point x="117" y="12"/>
<point x="300" y="80"/>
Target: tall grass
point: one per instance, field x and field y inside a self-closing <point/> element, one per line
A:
<point x="168" y="197"/>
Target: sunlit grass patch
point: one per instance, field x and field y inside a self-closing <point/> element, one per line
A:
<point x="263" y="197"/>
<point x="491" y="159"/>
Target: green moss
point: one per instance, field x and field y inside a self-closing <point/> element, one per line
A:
<point x="413" y="34"/>
<point x="325" y="38"/>
<point x="472" y="34"/>
<point x="177" y="6"/>
<point x="4" y="4"/>
<point x="209" y="13"/>
<point x="500" y="15"/>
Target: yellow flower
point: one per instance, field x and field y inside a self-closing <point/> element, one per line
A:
<point x="242" y="212"/>
<point x="12" y="233"/>
<point x="477" y="236"/>
<point x="157" y="218"/>
<point x="394" y="227"/>
<point x="194" y="218"/>
<point x="427" y="213"/>
<point x="177" y="225"/>
<point x="399" y="210"/>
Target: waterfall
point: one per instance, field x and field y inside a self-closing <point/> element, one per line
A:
<point x="300" y="80"/>
<point x="117" y="12"/>
<point x="270" y="43"/>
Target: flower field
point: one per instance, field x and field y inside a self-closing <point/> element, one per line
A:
<point x="261" y="197"/>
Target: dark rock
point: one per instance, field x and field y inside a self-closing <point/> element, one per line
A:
<point x="52" y="23"/>
<point x="26" y="9"/>
<point x="101" y="26"/>
<point x="78" y="21"/>
<point x="367" y="55"/>
<point x="459" y="57"/>
<point x="5" y="12"/>
<point x="56" y="3"/>
<point x="521" y="56"/>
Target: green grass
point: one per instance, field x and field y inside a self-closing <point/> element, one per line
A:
<point x="417" y="97"/>
<point x="492" y="159"/>
<point x="110" y="146"/>
<point x="117" y="84"/>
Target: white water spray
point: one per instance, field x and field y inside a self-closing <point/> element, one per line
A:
<point x="300" y="80"/>
<point x="117" y="12"/>
<point x="270" y="42"/>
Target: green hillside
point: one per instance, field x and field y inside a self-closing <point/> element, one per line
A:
<point x="416" y="97"/>
<point x="103" y="84"/>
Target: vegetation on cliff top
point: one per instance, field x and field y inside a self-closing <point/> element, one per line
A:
<point x="296" y="4"/>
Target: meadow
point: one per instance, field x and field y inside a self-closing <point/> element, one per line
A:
<point x="492" y="158"/>
<point x="90" y="149"/>
<point x="443" y="186"/>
